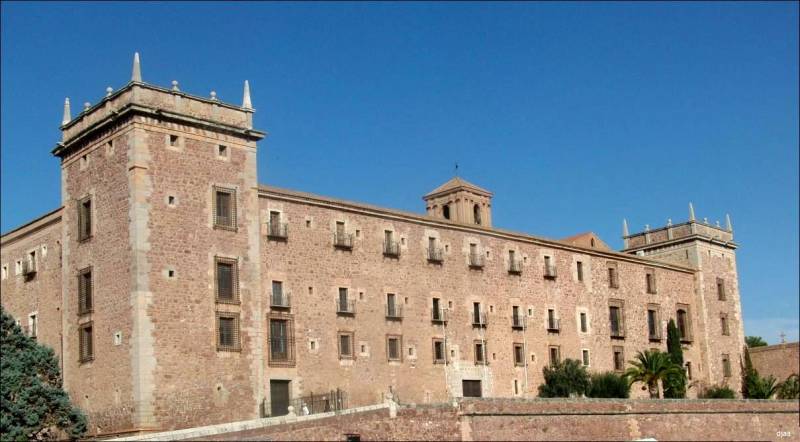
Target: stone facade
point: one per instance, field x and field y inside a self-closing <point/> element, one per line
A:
<point x="151" y="162"/>
<point x="779" y="360"/>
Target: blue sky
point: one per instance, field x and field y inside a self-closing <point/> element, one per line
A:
<point x="575" y="115"/>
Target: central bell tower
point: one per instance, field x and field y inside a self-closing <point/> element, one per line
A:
<point x="460" y="201"/>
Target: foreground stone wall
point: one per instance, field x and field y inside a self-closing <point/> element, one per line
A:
<point x="780" y="361"/>
<point x="511" y="419"/>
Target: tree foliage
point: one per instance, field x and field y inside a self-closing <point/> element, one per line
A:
<point x="650" y="367"/>
<point x="675" y="383"/>
<point x="564" y="379"/>
<point x="755" y="341"/>
<point x="608" y="385"/>
<point x="762" y="387"/>
<point x="718" y="392"/>
<point x="32" y="403"/>
<point x="790" y="388"/>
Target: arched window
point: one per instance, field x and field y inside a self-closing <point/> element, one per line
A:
<point x="592" y="241"/>
<point x="476" y="212"/>
<point x="446" y="211"/>
<point x="682" y="323"/>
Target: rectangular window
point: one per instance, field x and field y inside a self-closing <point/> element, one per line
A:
<point x="281" y="342"/>
<point x="555" y="355"/>
<point x="345" y="345"/>
<point x="616" y="315"/>
<point x="224" y="208"/>
<point x="584" y="325"/>
<point x="619" y="358"/>
<point x="393" y="346"/>
<point x="280" y="298"/>
<point x="650" y="280"/>
<point x="517" y="319"/>
<point x="344" y="304"/>
<point x="85" y="219"/>
<point x="471" y="388"/>
<point x="585" y="357"/>
<point x="228" y="332"/>
<point x="653" y="323"/>
<point x="477" y="316"/>
<point x="86" y="341"/>
<point x="437" y="314"/>
<point x="684" y="323"/>
<point x="549" y="268"/>
<point x="480" y="352"/>
<point x="552" y="321"/>
<point x="519" y="355"/>
<point x="439" y="353"/>
<point x="391" y="306"/>
<point x="723" y="320"/>
<point x="580" y="271"/>
<point x="339" y="228"/>
<point x="33" y="325"/>
<point x="726" y="365"/>
<point x="613" y="278"/>
<point x="689" y="370"/>
<point x="720" y="289"/>
<point x="227" y="280"/>
<point x="85" y="302"/>
<point x="5" y="271"/>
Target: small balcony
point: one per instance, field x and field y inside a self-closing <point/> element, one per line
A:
<point x="281" y="351"/>
<point x="345" y="307"/>
<point x="518" y="322"/>
<point x="476" y="260"/>
<point x="554" y="325"/>
<point x="28" y="268"/>
<point x="479" y="319"/>
<point x="391" y="249"/>
<point x="343" y="241"/>
<point x="617" y="334"/>
<point x="280" y="300"/>
<point x="435" y="255"/>
<point x="550" y="271"/>
<point x="278" y="231"/>
<point x="394" y="312"/>
<point x="515" y="267"/>
<point x="654" y="337"/>
<point x="439" y="316"/>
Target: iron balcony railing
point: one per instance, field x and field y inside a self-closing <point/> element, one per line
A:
<point x="654" y="336"/>
<point x="335" y="400"/>
<point x="439" y="315"/>
<point x="345" y="307"/>
<point x="394" y="311"/>
<point x="281" y="350"/>
<point x="617" y="333"/>
<point x="435" y="254"/>
<point x="479" y="319"/>
<point x="515" y="267"/>
<point x="476" y="260"/>
<point x="517" y="321"/>
<point x="550" y="271"/>
<point x="343" y="240"/>
<point x="391" y="248"/>
<point x="277" y="230"/>
<point x="280" y="300"/>
<point x="553" y="324"/>
<point x="28" y="267"/>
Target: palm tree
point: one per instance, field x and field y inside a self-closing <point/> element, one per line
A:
<point x="649" y="367"/>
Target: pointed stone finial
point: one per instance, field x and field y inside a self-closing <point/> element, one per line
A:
<point x="728" y="225"/>
<point x="647" y="227"/>
<point x="625" y="227"/>
<point x="246" y="103"/>
<point x="137" y="69"/>
<point x="67" y="115"/>
<point x="175" y="86"/>
<point x="691" y="212"/>
<point x="214" y="95"/>
<point x="109" y="90"/>
<point x="669" y="221"/>
<point x="718" y="224"/>
<point x="86" y="106"/>
<point x="705" y="220"/>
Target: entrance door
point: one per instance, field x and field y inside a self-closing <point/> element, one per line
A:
<point x="279" y="397"/>
<point x="471" y="388"/>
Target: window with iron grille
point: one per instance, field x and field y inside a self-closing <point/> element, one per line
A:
<point x="519" y="354"/>
<point x="439" y="355"/>
<point x="650" y="280"/>
<point x="228" y="332"/>
<point x="613" y="277"/>
<point x="720" y="289"/>
<point x="85" y="289"/>
<point x="726" y="365"/>
<point x="85" y="219"/>
<point x="281" y="342"/>
<point x="280" y="298"/>
<point x="86" y="342"/>
<point x="555" y="355"/>
<point x="393" y="345"/>
<point x="227" y="280"/>
<point x="224" y="201"/>
<point x="345" y="345"/>
<point x="480" y="352"/>
<point x="619" y="358"/>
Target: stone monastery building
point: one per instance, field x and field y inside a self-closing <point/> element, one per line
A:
<point x="177" y="291"/>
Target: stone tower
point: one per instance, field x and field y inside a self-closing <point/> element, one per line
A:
<point x="460" y="201"/>
<point x="711" y="250"/>
<point x="146" y="175"/>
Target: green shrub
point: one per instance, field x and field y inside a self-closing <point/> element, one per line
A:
<point x="564" y="379"/>
<point x="32" y="403"/>
<point x="762" y="387"/>
<point x="790" y="388"/>
<point x="718" y="392"/>
<point x="674" y="383"/>
<point x="608" y="385"/>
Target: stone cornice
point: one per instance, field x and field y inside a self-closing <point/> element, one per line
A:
<point x="31" y="227"/>
<point x="683" y="239"/>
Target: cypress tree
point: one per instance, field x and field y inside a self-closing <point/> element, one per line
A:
<point x="675" y="385"/>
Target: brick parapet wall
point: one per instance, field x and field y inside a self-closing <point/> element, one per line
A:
<point x="779" y="360"/>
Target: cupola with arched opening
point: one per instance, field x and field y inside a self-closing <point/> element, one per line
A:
<point x="460" y="201"/>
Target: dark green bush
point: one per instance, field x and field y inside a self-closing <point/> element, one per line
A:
<point x="564" y="379"/>
<point x="790" y="388"/>
<point x="718" y="392"/>
<point x="608" y="385"/>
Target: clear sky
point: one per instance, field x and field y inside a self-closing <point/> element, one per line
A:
<point x="575" y="115"/>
